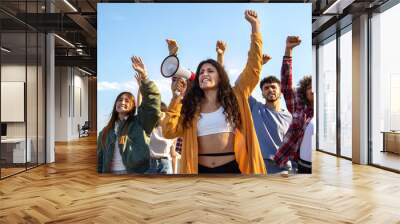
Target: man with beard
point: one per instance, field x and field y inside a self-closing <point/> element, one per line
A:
<point x="270" y="120"/>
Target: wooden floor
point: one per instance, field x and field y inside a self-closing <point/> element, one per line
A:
<point x="5" y="172"/>
<point x="10" y="171"/>
<point x="387" y="159"/>
<point x="70" y="191"/>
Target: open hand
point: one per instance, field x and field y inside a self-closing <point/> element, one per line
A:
<point x="266" y="58"/>
<point x="138" y="66"/>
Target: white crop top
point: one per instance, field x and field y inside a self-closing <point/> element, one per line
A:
<point x="213" y="123"/>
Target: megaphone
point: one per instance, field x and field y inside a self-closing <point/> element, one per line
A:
<point x="171" y="67"/>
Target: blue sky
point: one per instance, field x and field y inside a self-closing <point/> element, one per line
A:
<point x="141" y="29"/>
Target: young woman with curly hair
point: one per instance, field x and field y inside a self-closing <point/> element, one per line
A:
<point x="214" y="118"/>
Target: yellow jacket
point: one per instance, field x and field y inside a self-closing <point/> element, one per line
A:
<point x="247" y="150"/>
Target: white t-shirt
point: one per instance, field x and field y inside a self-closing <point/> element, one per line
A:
<point x="306" y="143"/>
<point x="160" y="146"/>
<point x="116" y="162"/>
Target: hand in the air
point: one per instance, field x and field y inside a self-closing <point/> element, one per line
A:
<point x="138" y="66"/>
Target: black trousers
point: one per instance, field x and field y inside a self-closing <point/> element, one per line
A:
<point x="304" y="167"/>
<point x="231" y="167"/>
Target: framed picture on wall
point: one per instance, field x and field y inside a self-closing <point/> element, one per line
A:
<point x="199" y="88"/>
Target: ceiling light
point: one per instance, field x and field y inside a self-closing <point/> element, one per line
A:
<point x="84" y="71"/>
<point x="65" y="41"/>
<point x="337" y="7"/>
<point x="5" y="50"/>
<point x="70" y="5"/>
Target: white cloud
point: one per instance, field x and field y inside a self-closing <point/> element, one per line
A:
<point x="163" y="84"/>
<point x="129" y="86"/>
<point x="101" y="86"/>
<point x="117" y="86"/>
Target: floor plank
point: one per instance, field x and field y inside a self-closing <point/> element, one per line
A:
<point x="387" y="159"/>
<point x="71" y="191"/>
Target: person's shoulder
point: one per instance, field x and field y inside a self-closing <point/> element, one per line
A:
<point x="133" y="121"/>
<point x="285" y="112"/>
<point x="100" y="140"/>
<point x="253" y="100"/>
<point x="101" y="133"/>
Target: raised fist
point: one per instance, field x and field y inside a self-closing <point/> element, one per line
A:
<point x="172" y="46"/>
<point x="221" y="46"/>
<point x="292" y="41"/>
<point x="251" y="16"/>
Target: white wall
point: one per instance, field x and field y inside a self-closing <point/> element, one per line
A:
<point x="61" y="103"/>
<point x="33" y="127"/>
<point x="71" y="94"/>
<point x="80" y="100"/>
<point x="314" y="88"/>
<point x="13" y="73"/>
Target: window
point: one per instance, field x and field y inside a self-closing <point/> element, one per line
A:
<point x="23" y="76"/>
<point x="385" y="89"/>
<point x="346" y="93"/>
<point x="327" y="96"/>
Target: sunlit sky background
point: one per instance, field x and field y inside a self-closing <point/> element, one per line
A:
<point x="141" y="29"/>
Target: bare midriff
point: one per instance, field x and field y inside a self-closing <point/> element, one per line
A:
<point x="215" y="143"/>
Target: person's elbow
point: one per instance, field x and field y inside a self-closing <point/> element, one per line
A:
<point x="168" y="133"/>
<point x="151" y="124"/>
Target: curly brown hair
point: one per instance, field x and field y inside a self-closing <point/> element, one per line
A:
<point x="304" y="84"/>
<point x="192" y="100"/>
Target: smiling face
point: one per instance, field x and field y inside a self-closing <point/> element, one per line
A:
<point x="271" y="92"/>
<point x="208" y="77"/>
<point x="124" y="104"/>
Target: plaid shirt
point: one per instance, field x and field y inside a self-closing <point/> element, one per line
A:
<point x="302" y="114"/>
<point x="178" y="145"/>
